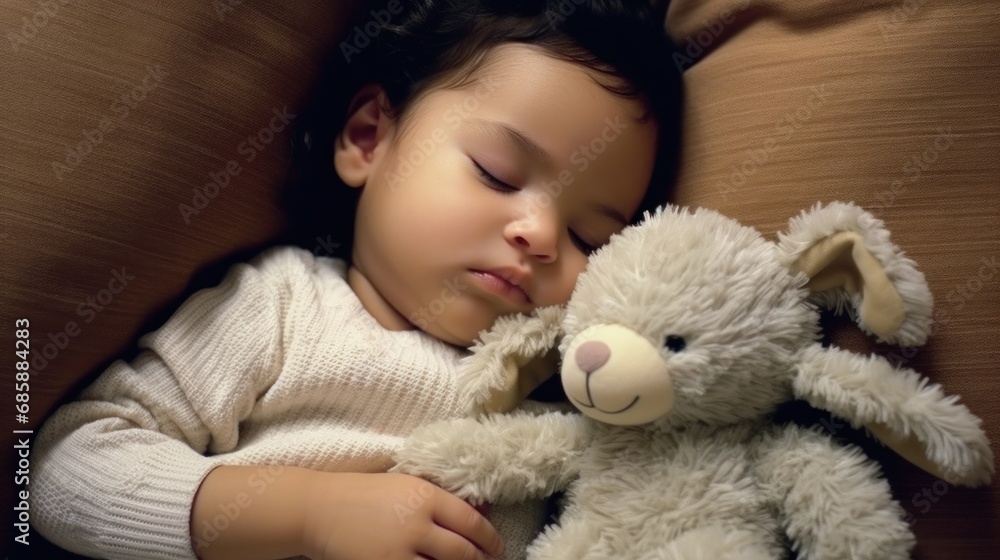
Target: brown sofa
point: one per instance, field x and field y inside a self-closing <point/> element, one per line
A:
<point x="128" y="180"/>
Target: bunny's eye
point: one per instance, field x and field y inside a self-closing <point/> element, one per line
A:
<point x="674" y="343"/>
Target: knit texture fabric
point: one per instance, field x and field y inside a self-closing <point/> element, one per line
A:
<point x="278" y="365"/>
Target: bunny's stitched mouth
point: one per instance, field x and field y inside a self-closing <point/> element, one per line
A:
<point x="595" y="407"/>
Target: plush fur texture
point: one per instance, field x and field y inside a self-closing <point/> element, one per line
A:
<point x="516" y="337"/>
<point x="809" y="227"/>
<point x="712" y="477"/>
<point x="868" y="389"/>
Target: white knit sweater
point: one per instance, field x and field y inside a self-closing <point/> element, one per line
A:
<point x="280" y="364"/>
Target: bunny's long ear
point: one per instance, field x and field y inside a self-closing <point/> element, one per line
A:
<point x="850" y="262"/>
<point x="510" y="360"/>
<point x="902" y="409"/>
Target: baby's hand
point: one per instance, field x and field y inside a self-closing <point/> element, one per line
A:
<point x="392" y="516"/>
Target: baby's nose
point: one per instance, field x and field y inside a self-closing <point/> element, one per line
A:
<point x="591" y="355"/>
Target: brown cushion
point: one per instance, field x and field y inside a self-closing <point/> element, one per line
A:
<point x="115" y="113"/>
<point x="893" y="78"/>
<point x="891" y="105"/>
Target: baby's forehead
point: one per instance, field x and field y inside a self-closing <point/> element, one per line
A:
<point x="530" y="70"/>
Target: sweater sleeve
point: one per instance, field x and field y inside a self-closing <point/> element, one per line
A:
<point x="117" y="470"/>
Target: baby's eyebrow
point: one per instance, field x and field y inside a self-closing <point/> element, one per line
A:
<point x="514" y="137"/>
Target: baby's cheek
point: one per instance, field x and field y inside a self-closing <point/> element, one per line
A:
<point x="563" y="289"/>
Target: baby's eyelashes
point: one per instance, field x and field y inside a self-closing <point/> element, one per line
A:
<point x="493" y="182"/>
<point x="583" y="246"/>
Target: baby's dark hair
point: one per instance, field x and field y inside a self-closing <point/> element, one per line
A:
<point x="423" y="44"/>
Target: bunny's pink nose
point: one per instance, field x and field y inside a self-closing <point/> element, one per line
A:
<point x="591" y="355"/>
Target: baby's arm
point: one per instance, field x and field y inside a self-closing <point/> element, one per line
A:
<point x="329" y="516"/>
<point x="268" y="527"/>
<point x="117" y="470"/>
<point x="134" y="469"/>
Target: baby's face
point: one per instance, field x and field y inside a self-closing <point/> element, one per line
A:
<point x="489" y="199"/>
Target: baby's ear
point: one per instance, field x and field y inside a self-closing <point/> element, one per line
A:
<point x="510" y="360"/>
<point x="850" y="262"/>
<point x="365" y="134"/>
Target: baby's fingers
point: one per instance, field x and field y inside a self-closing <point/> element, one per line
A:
<point x="468" y="526"/>
<point x="443" y="544"/>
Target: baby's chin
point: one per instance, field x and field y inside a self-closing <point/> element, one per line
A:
<point x="463" y="336"/>
<point x="459" y="329"/>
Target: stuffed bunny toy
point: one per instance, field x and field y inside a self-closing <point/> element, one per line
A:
<point x="682" y="337"/>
